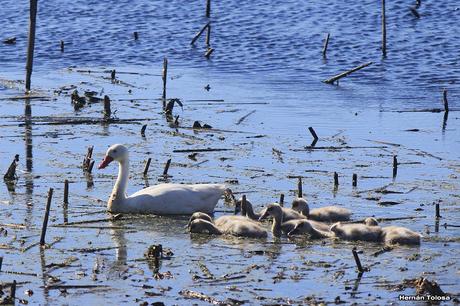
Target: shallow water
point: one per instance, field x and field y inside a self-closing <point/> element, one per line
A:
<point x="267" y="60"/>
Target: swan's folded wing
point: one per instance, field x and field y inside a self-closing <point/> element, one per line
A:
<point x="177" y="199"/>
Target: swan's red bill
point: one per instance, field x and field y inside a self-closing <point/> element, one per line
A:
<point x="107" y="160"/>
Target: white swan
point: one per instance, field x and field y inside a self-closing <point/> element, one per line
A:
<point x="163" y="199"/>
<point x="231" y="226"/>
<point x="324" y="214"/>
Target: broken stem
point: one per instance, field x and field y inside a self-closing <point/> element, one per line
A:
<point x="344" y="74"/>
<point x="358" y="262"/>
<point x="45" y="220"/>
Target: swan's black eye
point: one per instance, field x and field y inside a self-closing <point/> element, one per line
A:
<point x="114" y="151"/>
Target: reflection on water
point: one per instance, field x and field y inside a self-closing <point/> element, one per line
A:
<point x="28" y="134"/>
<point x="44" y="275"/>
<point x="28" y="176"/>
<point x="356" y="284"/>
<point x="89" y="181"/>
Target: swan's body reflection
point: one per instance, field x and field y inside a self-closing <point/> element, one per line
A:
<point x="28" y="176"/>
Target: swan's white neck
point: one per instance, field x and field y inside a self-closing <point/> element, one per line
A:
<point x="118" y="195"/>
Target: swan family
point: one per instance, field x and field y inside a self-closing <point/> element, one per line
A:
<point x="162" y="199"/>
<point x="199" y="201"/>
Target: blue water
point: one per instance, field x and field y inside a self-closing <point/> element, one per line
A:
<point x="280" y="39"/>
<point x="267" y="59"/>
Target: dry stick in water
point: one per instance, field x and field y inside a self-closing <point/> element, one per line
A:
<point x="45" y="220"/>
<point x="113" y="74"/>
<point x="164" y="77"/>
<point x="395" y="166"/>
<point x="208" y="8"/>
<point x="11" y="172"/>
<point x="197" y="35"/>
<point x="10" y="41"/>
<point x="147" y="165"/>
<point x="281" y="200"/>
<point x="444" y="98"/>
<point x="91" y="165"/>
<point x="13" y="291"/>
<point x="62" y="46"/>
<point x="136" y="36"/>
<point x="1" y="262"/>
<point x="344" y="74"/>
<point x="438" y="215"/>
<point x="107" y="110"/>
<point x="326" y="43"/>
<point x="336" y="179"/>
<point x="313" y="133"/>
<point x="414" y="12"/>
<point x="201" y="150"/>
<point x="354" y="180"/>
<point x="444" y="120"/>
<point x="299" y="188"/>
<point x="384" y="30"/>
<point x="87" y="160"/>
<point x="143" y="130"/>
<point x="209" y="52"/>
<point x="245" y="116"/>
<point x="165" y="171"/>
<point x="66" y="201"/>
<point x="358" y="262"/>
<point x="31" y="42"/>
<point x="208" y="36"/>
<point x="66" y="192"/>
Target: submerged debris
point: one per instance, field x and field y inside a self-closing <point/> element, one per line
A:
<point x="189" y="294"/>
<point x="197" y="125"/>
<point x="170" y="105"/>
<point x="10" y="40"/>
<point x="144" y="127"/>
<point x="11" y="172"/>
<point x="425" y="286"/>
<point x="154" y="251"/>
<point x="88" y="162"/>
<point x="77" y="101"/>
<point x="107" y="109"/>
